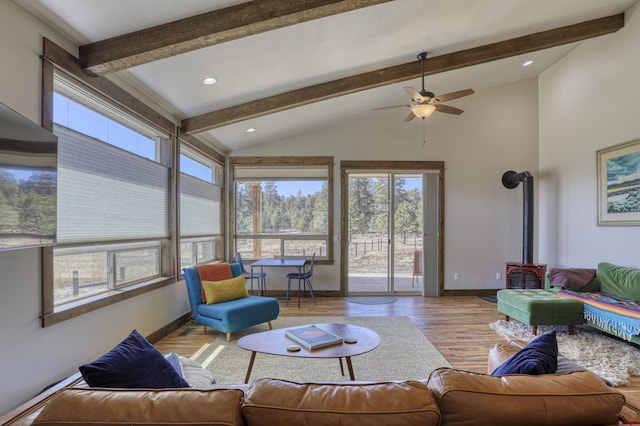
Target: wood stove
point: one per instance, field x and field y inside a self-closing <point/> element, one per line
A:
<point x="525" y="274"/>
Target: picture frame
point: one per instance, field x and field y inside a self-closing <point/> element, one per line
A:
<point x="618" y="170"/>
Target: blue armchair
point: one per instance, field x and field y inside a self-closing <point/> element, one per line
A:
<point x="230" y="316"/>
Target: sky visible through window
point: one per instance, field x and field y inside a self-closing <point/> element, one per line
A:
<point x="288" y="188"/>
<point x="81" y="118"/>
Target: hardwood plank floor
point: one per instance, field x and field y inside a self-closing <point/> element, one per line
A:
<point x="458" y="326"/>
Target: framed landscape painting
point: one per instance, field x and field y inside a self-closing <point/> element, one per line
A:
<point x="619" y="184"/>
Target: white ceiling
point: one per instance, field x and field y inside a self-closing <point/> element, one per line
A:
<point x="322" y="50"/>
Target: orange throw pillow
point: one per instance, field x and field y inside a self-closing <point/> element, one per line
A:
<point x="213" y="272"/>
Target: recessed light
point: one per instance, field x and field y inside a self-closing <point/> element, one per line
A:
<point x="209" y="80"/>
<point x="251" y="130"/>
<point x="527" y="63"/>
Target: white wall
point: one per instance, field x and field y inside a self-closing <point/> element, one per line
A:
<point x="589" y="101"/>
<point x="34" y="357"/>
<point x="483" y="220"/>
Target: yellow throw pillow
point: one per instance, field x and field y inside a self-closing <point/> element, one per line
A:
<point x="225" y="290"/>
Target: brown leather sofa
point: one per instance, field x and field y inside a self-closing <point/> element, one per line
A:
<point x="448" y="397"/>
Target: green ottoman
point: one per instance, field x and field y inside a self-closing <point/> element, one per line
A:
<point x="540" y="307"/>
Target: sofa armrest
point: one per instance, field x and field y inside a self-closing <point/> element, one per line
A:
<point x="576" y="398"/>
<point x="498" y="354"/>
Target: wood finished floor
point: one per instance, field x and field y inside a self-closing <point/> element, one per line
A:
<point x="457" y="326"/>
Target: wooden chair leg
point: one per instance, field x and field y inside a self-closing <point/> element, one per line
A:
<point x="204" y="329"/>
<point x="571" y="329"/>
<point x="270" y="325"/>
<point x="506" y="318"/>
<point x="534" y="330"/>
<point x="228" y="337"/>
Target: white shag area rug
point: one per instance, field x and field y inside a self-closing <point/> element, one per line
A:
<point x="613" y="359"/>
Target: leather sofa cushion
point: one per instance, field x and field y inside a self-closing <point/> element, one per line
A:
<point x="278" y="402"/>
<point x="576" y="398"/>
<point x="499" y="354"/>
<point x="85" y="406"/>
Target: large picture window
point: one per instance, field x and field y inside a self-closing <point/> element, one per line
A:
<point x="134" y="203"/>
<point x="283" y="208"/>
<point x="113" y="197"/>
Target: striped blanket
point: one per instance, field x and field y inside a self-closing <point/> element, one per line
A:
<point x="617" y="315"/>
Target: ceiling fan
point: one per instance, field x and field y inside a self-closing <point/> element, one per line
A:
<point x="425" y="103"/>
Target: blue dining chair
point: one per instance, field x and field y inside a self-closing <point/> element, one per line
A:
<point x="305" y="277"/>
<point x="248" y="275"/>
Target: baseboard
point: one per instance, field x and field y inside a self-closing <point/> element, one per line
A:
<point x="281" y="294"/>
<point x="169" y="328"/>
<point x="478" y="292"/>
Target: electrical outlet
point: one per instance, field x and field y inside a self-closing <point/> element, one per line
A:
<point x="456" y="276"/>
<point x="498" y="275"/>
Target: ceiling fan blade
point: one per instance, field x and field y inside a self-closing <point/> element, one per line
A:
<point x="415" y="95"/>
<point x="448" y="109"/>
<point x="410" y="117"/>
<point x="454" y="95"/>
<point x="392" y="106"/>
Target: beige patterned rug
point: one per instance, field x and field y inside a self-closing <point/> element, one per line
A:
<point x="609" y="357"/>
<point x="404" y="353"/>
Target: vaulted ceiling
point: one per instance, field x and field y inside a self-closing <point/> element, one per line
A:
<point x="286" y="67"/>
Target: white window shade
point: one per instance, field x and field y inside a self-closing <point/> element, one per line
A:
<point x="280" y="172"/>
<point x="107" y="194"/>
<point x="199" y="207"/>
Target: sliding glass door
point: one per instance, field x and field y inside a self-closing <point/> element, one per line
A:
<point x="388" y="237"/>
<point x="369" y="255"/>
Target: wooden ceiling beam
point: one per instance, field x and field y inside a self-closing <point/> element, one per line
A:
<point x="197" y="32"/>
<point x="464" y="58"/>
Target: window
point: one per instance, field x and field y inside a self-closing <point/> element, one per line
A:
<point x="118" y="234"/>
<point x="283" y="207"/>
<point x="200" y="209"/>
<point x="113" y="196"/>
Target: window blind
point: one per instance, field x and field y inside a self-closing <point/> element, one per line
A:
<point x="106" y="193"/>
<point x="200" y="207"/>
<point x="280" y="172"/>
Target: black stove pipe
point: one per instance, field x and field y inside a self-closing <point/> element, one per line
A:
<point x="511" y="179"/>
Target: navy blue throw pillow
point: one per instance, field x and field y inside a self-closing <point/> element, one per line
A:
<point x="133" y="363"/>
<point x="540" y="356"/>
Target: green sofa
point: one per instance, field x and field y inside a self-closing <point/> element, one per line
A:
<point x="611" y="300"/>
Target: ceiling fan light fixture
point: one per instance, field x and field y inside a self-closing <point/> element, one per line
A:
<point x="423" y="110"/>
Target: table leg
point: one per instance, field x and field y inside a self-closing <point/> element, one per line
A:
<point x="253" y="358"/>
<point x="252" y="281"/>
<point x="350" y="368"/>
<point x="341" y="366"/>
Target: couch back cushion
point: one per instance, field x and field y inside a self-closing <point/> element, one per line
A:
<point x="278" y="402"/>
<point x="76" y="406"/>
<point x="619" y="280"/>
<point x="467" y="398"/>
